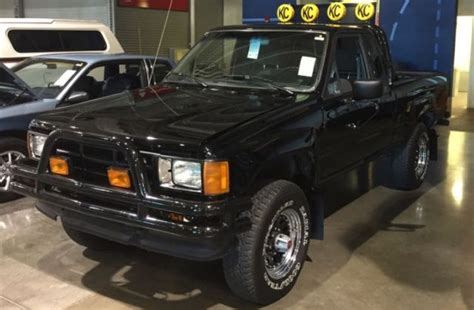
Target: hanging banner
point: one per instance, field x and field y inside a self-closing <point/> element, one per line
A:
<point x="178" y="5"/>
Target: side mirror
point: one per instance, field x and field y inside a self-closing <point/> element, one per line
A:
<point x="365" y="90"/>
<point x="340" y="87"/>
<point x="77" y="96"/>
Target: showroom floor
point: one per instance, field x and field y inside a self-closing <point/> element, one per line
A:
<point x="384" y="249"/>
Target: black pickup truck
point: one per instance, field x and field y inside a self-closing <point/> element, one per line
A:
<point x="225" y="159"/>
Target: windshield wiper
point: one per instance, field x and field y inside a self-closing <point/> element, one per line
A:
<point x="189" y="77"/>
<point x="266" y="82"/>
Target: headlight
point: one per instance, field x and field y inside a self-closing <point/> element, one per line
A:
<point x="36" y="144"/>
<point x="180" y="173"/>
<point x="190" y="175"/>
<point x="187" y="174"/>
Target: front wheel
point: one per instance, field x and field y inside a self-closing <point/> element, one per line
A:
<point x="11" y="150"/>
<point x="268" y="258"/>
<point x="410" y="163"/>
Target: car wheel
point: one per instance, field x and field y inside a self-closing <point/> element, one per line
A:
<point x="87" y="240"/>
<point x="11" y="150"/>
<point x="410" y="164"/>
<point x="265" y="263"/>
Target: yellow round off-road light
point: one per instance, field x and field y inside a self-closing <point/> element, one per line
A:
<point x="285" y="13"/>
<point x="365" y="11"/>
<point x="336" y="11"/>
<point x="309" y="12"/>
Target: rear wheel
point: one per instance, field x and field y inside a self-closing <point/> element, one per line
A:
<point x="11" y="150"/>
<point x="410" y="164"/>
<point x="89" y="241"/>
<point x="265" y="264"/>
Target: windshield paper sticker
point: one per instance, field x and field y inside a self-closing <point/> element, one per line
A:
<point x="254" y="48"/>
<point x="63" y="79"/>
<point x="307" y="65"/>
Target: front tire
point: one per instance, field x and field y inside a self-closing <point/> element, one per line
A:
<point x="11" y="150"/>
<point x="410" y="164"/>
<point x="268" y="258"/>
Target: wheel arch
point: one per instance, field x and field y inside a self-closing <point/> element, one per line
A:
<point x="301" y="169"/>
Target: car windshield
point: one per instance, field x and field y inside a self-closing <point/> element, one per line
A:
<point x="47" y="78"/>
<point x="260" y="59"/>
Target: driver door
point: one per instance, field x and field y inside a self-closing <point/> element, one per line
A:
<point x="340" y="146"/>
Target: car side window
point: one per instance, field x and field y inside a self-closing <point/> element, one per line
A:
<point x="348" y="64"/>
<point x="160" y="71"/>
<point x="110" y="78"/>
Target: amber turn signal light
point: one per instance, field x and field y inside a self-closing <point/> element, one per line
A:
<point x="216" y="178"/>
<point x="58" y="165"/>
<point x="119" y="177"/>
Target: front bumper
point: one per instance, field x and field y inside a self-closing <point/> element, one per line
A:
<point x="82" y="207"/>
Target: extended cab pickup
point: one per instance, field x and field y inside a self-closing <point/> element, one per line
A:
<point x="225" y="159"/>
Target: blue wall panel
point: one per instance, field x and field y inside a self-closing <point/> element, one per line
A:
<point x="421" y="33"/>
<point x="255" y="11"/>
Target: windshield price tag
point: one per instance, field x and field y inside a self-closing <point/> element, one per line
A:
<point x="254" y="48"/>
<point x="307" y="65"/>
<point x="64" y="78"/>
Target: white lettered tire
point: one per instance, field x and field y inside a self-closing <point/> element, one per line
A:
<point x="268" y="258"/>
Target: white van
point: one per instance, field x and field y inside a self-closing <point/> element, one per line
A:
<point x="21" y="38"/>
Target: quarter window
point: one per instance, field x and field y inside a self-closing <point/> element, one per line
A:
<point x="40" y="41"/>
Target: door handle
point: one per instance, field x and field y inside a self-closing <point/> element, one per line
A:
<point x="351" y="126"/>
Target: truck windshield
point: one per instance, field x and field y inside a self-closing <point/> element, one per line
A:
<point x="255" y="59"/>
<point x="48" y="78"/>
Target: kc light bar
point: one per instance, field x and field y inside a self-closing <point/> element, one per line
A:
<point x="348" y="11"/>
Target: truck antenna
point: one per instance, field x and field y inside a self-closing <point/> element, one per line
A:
<point x="159" y="43"/>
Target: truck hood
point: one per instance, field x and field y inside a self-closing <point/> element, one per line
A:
<point x="184" y="114"/>
<point x="7" y="76"/>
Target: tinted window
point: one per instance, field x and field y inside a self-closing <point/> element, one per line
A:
<point x="39" y="41"/>
<point x="375" y="57"/>
<point x="349" y="63"/>
<point x="160" y="71"/>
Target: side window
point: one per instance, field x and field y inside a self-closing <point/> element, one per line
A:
<point x="160" y="71"/>
<point x="36" y="41"/>
<point x="97" y="73"/>
<point x="349" y="58"/>
<point x="375" y="58"/>
<point x="111" y="78"/>
<point x="348" y="64"/>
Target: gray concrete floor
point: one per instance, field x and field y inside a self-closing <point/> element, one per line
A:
<point x="384" y="249"/>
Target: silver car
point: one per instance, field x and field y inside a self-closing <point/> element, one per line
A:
<point x="43" y="83"/>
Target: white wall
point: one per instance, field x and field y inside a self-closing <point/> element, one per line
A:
<point x="463" y="43"/>
<point x="462" y="58"/>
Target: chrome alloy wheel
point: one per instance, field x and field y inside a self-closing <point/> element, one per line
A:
<point x="282" y="243"/>
<point x="422" y="157"/>
<point x="6" y="160"/>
